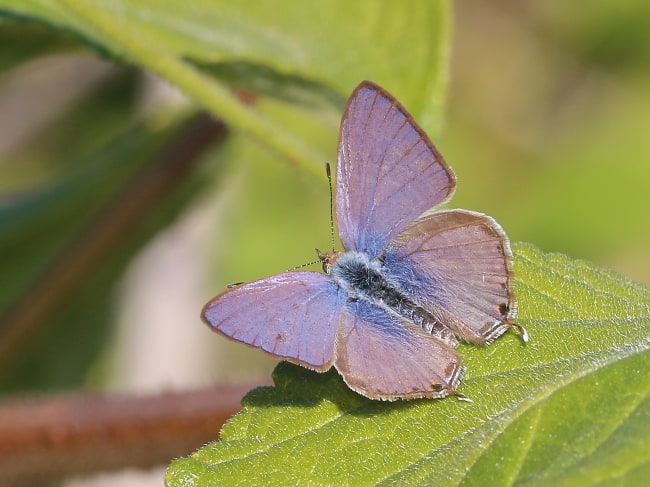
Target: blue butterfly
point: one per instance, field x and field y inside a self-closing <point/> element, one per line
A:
<point x="390" y="310"/>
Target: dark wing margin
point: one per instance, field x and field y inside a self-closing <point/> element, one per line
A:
<point x="293" y="316"/>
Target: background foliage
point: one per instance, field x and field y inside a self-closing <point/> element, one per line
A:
<point x="542" y="109"/>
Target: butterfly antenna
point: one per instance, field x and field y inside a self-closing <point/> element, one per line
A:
<point x="304" y="265"/>
<point x="328" y="171"/>
<point x="329" y="180"/>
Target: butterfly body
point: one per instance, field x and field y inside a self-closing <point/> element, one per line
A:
<point x="390" y="309"/>
<point x="361" y="277"/>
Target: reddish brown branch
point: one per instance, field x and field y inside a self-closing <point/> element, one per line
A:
<point x="43" y="439"/>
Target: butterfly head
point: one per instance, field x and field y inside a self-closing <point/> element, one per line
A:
<point x="328" y="259"/>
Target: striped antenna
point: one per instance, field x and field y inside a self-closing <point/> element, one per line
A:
<point x="329" y="180"/>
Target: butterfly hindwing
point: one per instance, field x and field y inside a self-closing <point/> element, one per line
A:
<point x="384" y="357"/>
<point x="458" y="265"/>
<point x="388" y="171"/>
<point x="293" y="316"/>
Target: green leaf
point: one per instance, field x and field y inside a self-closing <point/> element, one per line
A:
<point x="404" y="50"/>
<point x="569" y="408"/>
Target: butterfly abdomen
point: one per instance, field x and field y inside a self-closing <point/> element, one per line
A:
<point x="363" y="278"/>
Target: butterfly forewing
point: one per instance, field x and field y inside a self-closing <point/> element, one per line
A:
<point x="457" y="264"/>
<point x="388" y="172"/>
<point x="293" y="316"/>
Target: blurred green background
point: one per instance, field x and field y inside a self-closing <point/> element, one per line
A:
<point x="541" y="108"/>
<point x="122" y="211"/>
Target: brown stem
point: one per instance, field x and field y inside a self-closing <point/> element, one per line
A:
<point x="53" y="437"/>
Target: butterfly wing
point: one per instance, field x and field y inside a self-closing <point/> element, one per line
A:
<point x="388" y="172"/>
<point x="293" y="316"/>
<point x="384" y="357"/>
<point x="458" y="266"/>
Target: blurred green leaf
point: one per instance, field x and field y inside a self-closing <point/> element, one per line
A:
<point x="568" y="408"/>
<point x="28" y="41"/>
<point x="65" y="247"/>
<point x="285" y="38"/>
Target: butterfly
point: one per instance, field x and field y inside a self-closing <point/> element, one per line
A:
<point x="390" y="309"/>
